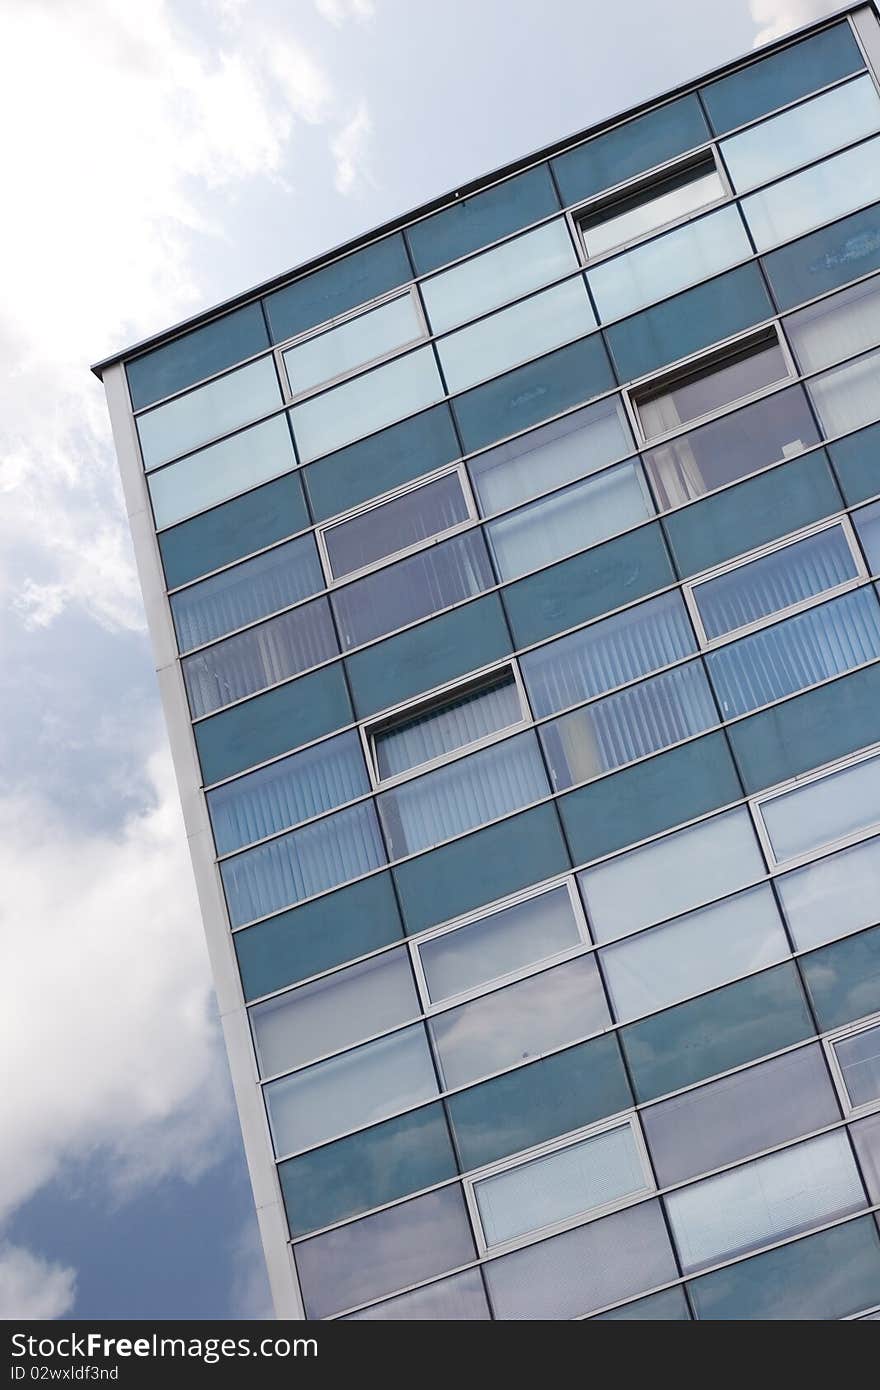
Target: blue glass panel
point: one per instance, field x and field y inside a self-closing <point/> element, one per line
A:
<point x="477" y="220"/>
<point x="843" y="980"/>
<point x="826" y="259"/>
<point x="195" y="355"/>
<point x="774" y="81"/>
<point x="595" y="582"/>
<point x="650" y="797"/>
<point x="630" y="149"/>
<point x="856" y="462"/>
<point x="481" y="868"/>
<point x="752" y="513"/>
<point x="337" y="288"/>
<point x="272" y="723"/>
<point x="688" y="322"/>
<point x="809" y="730"/>
<point x="427" y="656"/>
<point x="538" y="1102"/>
<point x="363" y="1171"/>
<point x="720" y="1030"/>
<point x="233" y="530"/>
<point x="318" y="936"/>
<point x="533" y="393"/>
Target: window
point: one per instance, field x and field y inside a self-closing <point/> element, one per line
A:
<point x="212" y="475"/>
<point x="843" y="979"/>
<point x="608" y="653"/>
<point x="500" y="944"/>
<point x="732" y="447"/>
<point x="351" y="1090"/>
<point x="334" y="1012"/>
<point x="670" y="876"/>
<point x="366" y="403"/>
<point x="525" y="330"/>
<point x="384" y="529"/>
<point x="826" y="190"/>
<point x="780" y="580"/>
<point x="865" y="1135"/>
<point x="838" y="327"/>
<point x="259" y="656"/>
<point x="346" y="347"/>
<point x="846" y="397"/>
<point x="832" y="897"/>
<point x="855" y="466"/>
<point x="294" y="789"/>
<point x="671" y="262"/>
<point x="802" y="134"/>
<point x="740" y="1115"/>
<point x="694" y="953"/>
<point x="621" y="728"/>
<point x="867" y="523"/>
<point x="830" y="807"/>
<point x="855" y="1057"/>
<point x="195" y="355"/>
<point x="485" y="282"/>
<point x="246" y="593"/>
<point x="519" y="1022"/>
<point x="764" y="1201"/>
<point x="825" y="259"/>
<point x="467" y="793"/>
<point x="415" y="588"/>
<point x="467" y="715"/>
<point x="190" y="420"/>
<point x="653" y="204"/>
<point x="561" y="452"/>
<point x="461" y="1298"/>
<point x="710" y="384"/>
<point x="595" y="1174"/>
<point x="575" y="518"/>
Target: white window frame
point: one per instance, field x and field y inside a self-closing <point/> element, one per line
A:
<point x="294" y="397"/>
<point x="864" y="1025"/>
<point x="335" y="581"/>
<point x="756" y="804"/>
<point x="741" y="561"/>
<point x="717" y="356"/>
<point x="535" y="967"/>
<point x="590" y="209"/>
<point x="423" y="704"/>
<point x="472" y="1181"/>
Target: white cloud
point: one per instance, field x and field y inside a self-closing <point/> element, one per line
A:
<point x="336" y="12"/>
<point x="779" y="17"/>
<point x="349" y="149"/>
<point x="31" y="1288"/>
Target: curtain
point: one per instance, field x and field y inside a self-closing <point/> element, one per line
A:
<point x="608" y="654"/>
<point x="246" y="593"/>
<point x="307" y="861"/>
<point x="813" y="646"/>
<point x="448" y="726"/>
<point x="261" y="656"/>
<point x="298" y="787"/>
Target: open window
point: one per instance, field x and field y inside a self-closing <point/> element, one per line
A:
<point x="652" y="203"/>
<point x="854" y="1054"/>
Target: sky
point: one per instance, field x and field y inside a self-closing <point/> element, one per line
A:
<point x="159" y="157"/>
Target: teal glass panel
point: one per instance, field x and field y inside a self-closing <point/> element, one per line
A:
<point x="538" y="1102"/>
<point x="533" y="393"/>
<point x="688" y="322"/>
<point x="207" y="411"/>
<point x="776" y="80"/>
<point x="427" y="656"/>
<point x="715" y="1032"/>
<point x="195" y="355"/>
<point x="382" y="462"/>
<point x="630" y="149"/>
<point x="641" y="801"/>
<point x="843" y="980"/>
<point x="752" y="513"/>
<point x="668" y="1306"/>
<point x="805" y="200"/>
<point x="318" y="936"/>
<point x="826" y="259"/>
<point x="364" y="1170"/>
<point x="809" y="730"/>
<point x="824" y="1277"/>
<point x="273" y="723"/>
<point x="856" y="462"/>
<point x="481" y="868"/>
<point x="595" y="582"/>
<point x="475" y="221"/>
<point x="211" y="475"/>
<point x="336" y="288"/>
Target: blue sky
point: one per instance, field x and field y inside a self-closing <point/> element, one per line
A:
<point x="164" y="156"/>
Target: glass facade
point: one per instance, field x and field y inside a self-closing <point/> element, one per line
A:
<point x="523" y="571"/>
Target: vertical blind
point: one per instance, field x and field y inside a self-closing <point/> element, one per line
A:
<point x="450" y="724"/>
<point x="404" y="521"/>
